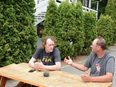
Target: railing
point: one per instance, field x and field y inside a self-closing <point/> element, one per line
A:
<point x="88" y="9"/>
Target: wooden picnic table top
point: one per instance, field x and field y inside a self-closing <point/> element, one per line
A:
<point x="56" y="78"/>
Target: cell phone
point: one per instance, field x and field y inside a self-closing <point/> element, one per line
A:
<point x="32" y="70"/>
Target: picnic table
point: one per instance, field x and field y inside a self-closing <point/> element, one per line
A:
<point x="21" y="73"/>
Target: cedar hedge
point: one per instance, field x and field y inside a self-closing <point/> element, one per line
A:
<point x="74" y="30"/>
<point x="105" y="29"/>
<point x="17" y="31"/>
<point x="90" y="30"/>
<point x="111" y="11"/>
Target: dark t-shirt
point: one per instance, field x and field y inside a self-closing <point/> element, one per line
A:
<point x="47" y="58"/>
<point x="100" y="66"/>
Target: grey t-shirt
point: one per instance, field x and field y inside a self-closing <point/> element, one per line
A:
<point x="100" y="66"/>
<point x="47" y="58"/>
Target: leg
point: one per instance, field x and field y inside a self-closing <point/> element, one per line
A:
<point x="3" y="81"/>
<point x="22" y="84"/>
<point x="19" y="84"/>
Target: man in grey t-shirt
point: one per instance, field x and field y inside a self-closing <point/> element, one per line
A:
<point x="101" y="62"/>
<point x="48" y="55"/>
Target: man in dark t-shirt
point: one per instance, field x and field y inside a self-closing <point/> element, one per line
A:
<point x="48" y="55"/>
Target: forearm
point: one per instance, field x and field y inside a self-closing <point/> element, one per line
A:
<point x="31" y="64"/>
<point x="52" y="67"/>
<point x="105" y="78"/>
<point x="79" y="66"/>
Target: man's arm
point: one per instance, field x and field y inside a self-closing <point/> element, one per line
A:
<point x="104" y="78"/>
<point x="57" y="66"/>
<point x="40" y="66"/>
<point x="31" y="62"/>
<point x="78" y="66"/>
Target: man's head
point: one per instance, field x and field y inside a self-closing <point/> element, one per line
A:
<point x="48" y="43"/>
<point x="98" y="43"/>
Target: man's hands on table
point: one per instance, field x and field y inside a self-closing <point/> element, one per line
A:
<point x="86" y="78"/>
<point x="38" y="65"/>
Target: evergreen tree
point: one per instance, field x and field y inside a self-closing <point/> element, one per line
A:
<point x="111" y="11"/>
<point x="17" y="31"/>
<point x="50" y="20"/>
<point x="65" y="23"/>
<point x="70" y="23"/>
<point x="90" y="30"/>
<point x="79" y="28"/>
<point x="105" y="29"/>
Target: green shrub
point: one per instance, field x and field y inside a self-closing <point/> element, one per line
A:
<point x="66" y="28"/>
<point x="111" y="11"/>
<point x="105" y="29"/>
<point x="70" y="23"/>
<point x="50" y="20"/>
<point x="90" y="30"/>
<point x="17" y="31"/>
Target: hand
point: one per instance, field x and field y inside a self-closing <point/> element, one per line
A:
<point x="68" y="61"/>
<point x="86" y="78"/>
<point x="39" y="65"/>
<point x="36" y="65"/>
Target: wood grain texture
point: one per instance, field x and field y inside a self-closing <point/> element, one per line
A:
<point x="56" y="78"/>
